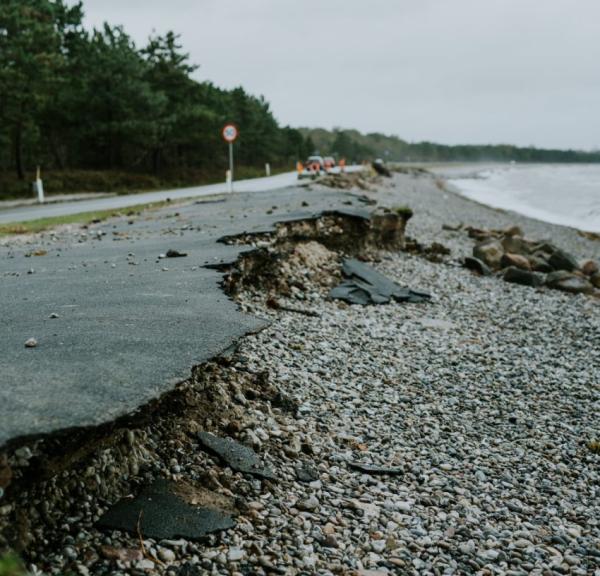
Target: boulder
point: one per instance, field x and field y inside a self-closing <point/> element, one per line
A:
<point x="574" y="285"/>
<point x="513" y="231"/>
<point x="595" y="279"/>
<point x="490" y="252"/>
<point x="524" y="277"/>
<point x="515" y="260"/>
<point x="539" y="263"/>
<point x="557" y="276"/>
<point x="567" y="282"/>
<point x="545" y="247"/>
<point x="590" y="267"/>
<point x="515" y="245"/>
<point x="479" y="234"/>
<point x="477" y="265"/>
<point x="561" y="260"/>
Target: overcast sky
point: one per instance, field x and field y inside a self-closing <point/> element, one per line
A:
<point x="452" y="71"/>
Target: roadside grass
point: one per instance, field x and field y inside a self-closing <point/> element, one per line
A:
<point x="10" y="565"/>
<point x="43" y="224"/>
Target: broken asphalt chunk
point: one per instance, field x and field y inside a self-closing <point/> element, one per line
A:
<point x="375" y="469"/>
<point x="235" y="455"/>
<point x="364" y="285"/>
<point x="160" y="512"/>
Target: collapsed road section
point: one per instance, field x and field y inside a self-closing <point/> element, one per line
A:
<point x="96" y="328"/>
<point x="102" y="321"/>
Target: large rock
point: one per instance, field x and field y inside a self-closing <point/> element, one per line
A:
<point x="561" y="260"/>
<point x="567" y="282"/>
<point x="524" y="277"/>
<point x="545" y="247"/>
<point x="516" y="245"/>
<point x="513" y="231"/>
<point x="590" y="267"/>
<point x="595" y="279"/>
<point x="490" y="252"/>
<point x="539" y="262"/>
<point x="477" y="265"/>
<point x="515" y="260"/>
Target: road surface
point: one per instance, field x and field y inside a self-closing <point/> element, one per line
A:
<point x="116" y="325"/>
<point x="36" y="212"/>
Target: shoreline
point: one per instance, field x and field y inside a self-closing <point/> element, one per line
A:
<point x="473" y="398"/>
<point x="463" y="185"/>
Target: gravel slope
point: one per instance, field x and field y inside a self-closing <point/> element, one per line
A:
<point x="484" y="401"/>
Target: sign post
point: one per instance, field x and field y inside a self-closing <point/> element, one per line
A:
<point x="230" y="134"/>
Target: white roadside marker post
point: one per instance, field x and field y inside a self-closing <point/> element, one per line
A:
<point x="230" y="134"/>
<point x="268" y="169"/>
<point x="39" y="186"/>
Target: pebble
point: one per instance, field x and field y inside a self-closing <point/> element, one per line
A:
<point x="310" y="503"/>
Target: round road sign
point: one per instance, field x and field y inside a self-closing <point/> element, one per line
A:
<point x="230" y="133"/>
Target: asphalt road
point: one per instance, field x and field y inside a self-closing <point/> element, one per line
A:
<point x="23" y="213"/>
<point x="50" y="210"/>
<point x="129" y="324"/>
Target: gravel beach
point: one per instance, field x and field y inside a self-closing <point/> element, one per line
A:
<point x="480" y="404"/>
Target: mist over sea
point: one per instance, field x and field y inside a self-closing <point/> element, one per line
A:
<point x="567" y="194"/>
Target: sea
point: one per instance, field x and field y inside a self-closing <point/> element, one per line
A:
<point x="567" y="194"/>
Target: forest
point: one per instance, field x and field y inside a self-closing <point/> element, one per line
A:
<point x="94" y="110"/>
<point x="354" y="145"/>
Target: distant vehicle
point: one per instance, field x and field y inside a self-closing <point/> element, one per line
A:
<point x="315" y="163"/>
<point x="312" y="168"/>
<point x="329" y="162"/>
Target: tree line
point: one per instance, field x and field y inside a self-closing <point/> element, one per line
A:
<point x="92" y="100"/>
<point x="354" y="145"/>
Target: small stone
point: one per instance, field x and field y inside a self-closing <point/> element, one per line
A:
<point x="235" y="554"/>
<point x="308" y="504"/>
<point x="329" y="528"/>
<point x="166" y="555"/>
<point x="31" y="343"/>
<point x="330" y="541"/>
<point x="145" y="564"/>
<point x="54" y="315"/>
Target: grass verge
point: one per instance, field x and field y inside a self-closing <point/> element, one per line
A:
<point x="42" y="224"/>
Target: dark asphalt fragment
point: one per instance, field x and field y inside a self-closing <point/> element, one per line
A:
<point x="159" y="512"/>
<point x="364" y="285"/>
<point x="175" y="254"/>
<point x="375" y="469"/>
<point x="235" y="455"/>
